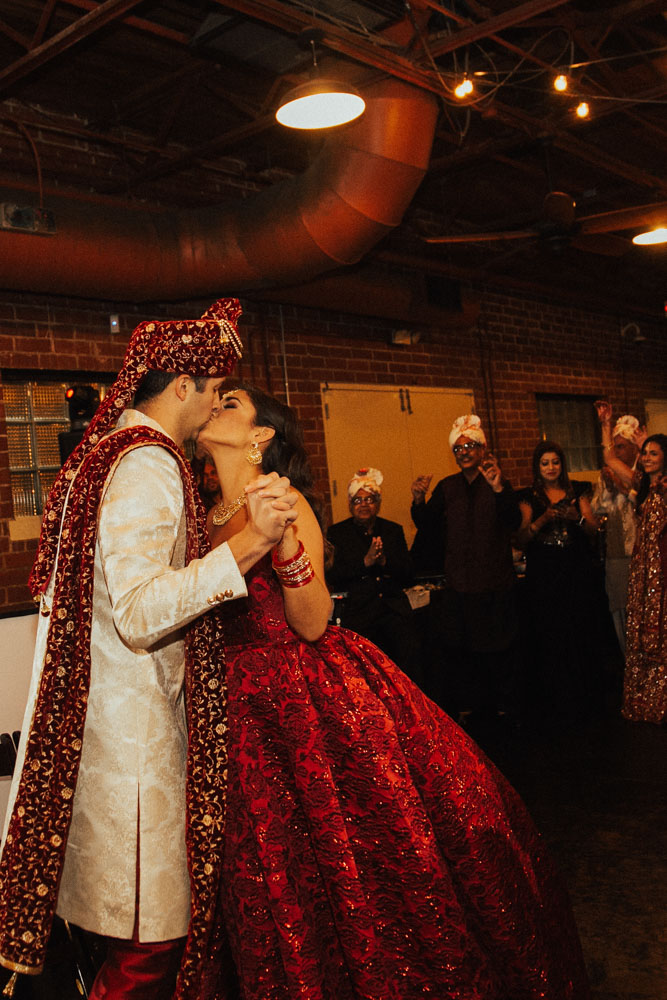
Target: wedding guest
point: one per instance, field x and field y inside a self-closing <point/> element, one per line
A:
<point x="645" y="686"/>
<point x="467" y="524"/>
<point x="614" y="500"/>
<point x="371" y="563"/>
<point x="570" y="631"/>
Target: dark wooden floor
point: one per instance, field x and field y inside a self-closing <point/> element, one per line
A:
<point x="598" y="794"/>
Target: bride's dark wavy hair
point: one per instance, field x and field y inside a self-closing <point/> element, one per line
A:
<point x="285" y="452"/>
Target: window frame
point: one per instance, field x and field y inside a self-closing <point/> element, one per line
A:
<point x="34" y="469"/>
<point x="574" y="450"/>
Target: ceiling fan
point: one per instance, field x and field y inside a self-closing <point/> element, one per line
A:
<point x="558" y="227"/>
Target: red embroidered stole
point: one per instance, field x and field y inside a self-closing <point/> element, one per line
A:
<point x="33" y="856"/>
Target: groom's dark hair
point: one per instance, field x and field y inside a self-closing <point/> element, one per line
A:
<point x="154" y="383"/>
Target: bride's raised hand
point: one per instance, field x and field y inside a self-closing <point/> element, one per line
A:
<point x="271" y="505"/>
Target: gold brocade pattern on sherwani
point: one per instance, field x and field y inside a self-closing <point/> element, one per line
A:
<point x="32" y="860"/>
<point x="645" y="683"/>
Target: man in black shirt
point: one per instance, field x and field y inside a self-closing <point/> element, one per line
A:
<point x="466" y="528"/>
<point x="371" y="563"/>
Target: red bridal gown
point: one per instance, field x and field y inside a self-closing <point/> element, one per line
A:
<point x="372" y="851"/>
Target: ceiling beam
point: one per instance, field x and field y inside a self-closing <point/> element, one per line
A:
<point x="498" y="39"/>
<point x="66" y="127"/>
<point x="516" y="15"/>
<point x="339" y="40"/>
<point x="15" y="36"/>
<point x="172" y="164"/>
<point x="43" y="23"/>
<point x="584" y="151"/>
<point x="148" y="27"/>
<point x="76" y="32"/>
<point x="628" y="10"/>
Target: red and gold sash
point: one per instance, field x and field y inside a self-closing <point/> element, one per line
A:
<point x="32" y="860"/>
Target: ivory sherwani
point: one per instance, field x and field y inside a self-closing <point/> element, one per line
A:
<point x="131" y="783"/>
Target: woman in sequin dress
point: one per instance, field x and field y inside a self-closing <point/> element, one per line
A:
<point x="569" y="630"/>
<point x="645" y="684"/>
<point x="371" y="850"/>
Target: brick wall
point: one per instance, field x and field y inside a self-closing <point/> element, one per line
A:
<point x="519" y="347"/>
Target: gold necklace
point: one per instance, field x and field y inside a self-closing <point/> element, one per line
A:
<point x="222" y="513"/>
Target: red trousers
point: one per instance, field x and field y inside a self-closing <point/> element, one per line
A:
<point x="138" y="970"/>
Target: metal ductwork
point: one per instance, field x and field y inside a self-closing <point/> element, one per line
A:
<point x="355" y="192"/>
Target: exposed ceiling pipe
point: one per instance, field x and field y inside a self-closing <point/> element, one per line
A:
<point x="356" y="191"/>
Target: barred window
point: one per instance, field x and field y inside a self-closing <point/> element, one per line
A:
<point x="572" y="423"/>
<point x="35" y="413"/>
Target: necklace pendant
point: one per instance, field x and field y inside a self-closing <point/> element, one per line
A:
<point x="222" y="514"/>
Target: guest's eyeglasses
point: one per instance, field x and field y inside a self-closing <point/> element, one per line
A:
<point x="357" y="502"/>
<point x="468" y="446"/>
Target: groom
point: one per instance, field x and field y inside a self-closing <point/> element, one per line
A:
<point x="97" y="820"/>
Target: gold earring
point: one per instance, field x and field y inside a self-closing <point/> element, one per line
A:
<point x="254" y="456"/>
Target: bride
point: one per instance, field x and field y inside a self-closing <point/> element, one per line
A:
<point x="371" y="850"/>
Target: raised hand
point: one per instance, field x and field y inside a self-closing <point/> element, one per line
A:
<point x="271" y="505"/>
<point x="420" y="488"/>
<point x="491" y="472"/>
<point x="603" y="409"/>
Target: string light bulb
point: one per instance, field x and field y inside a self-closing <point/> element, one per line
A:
<point x="464" y="88"/>
<point x="561" y="82"/>
<point x="582" y="110"/>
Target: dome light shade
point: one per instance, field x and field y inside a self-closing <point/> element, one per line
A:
<point x="652" y="236"/>
<point x="320" y="104"/>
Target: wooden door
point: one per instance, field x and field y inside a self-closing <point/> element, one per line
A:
<point x="401" y="430"/>
<point x="656" y="416"/>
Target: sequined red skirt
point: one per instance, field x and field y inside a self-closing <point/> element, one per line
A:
<point x="372" y="851"/>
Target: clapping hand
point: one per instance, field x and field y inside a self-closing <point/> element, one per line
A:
<point x="375" y="553"/>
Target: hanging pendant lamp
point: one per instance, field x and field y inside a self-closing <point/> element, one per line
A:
<point x="651" y="237"/>
<point x="319" y="103"/>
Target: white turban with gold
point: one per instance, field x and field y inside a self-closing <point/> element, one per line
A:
<point x="469" y="425"/>
<point x="626" y="426"/>
<point x="365" y="479"/>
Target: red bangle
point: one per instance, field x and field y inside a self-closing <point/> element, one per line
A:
<point x="297" y="571"/>
<point x="278" y="564"/>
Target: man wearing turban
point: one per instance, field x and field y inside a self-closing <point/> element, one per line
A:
<point x="372" y="565"/>
<point x="124" y="682"/>
<point x="466" y="528"/>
